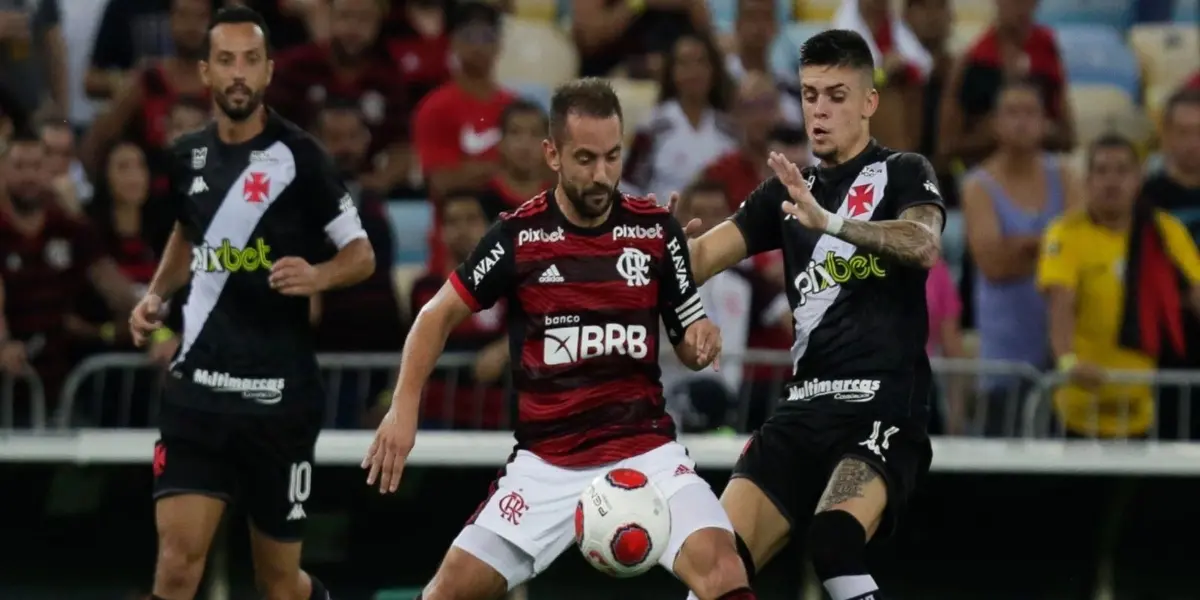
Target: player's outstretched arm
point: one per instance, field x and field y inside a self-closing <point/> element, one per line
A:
<point x="718" y="249"/>
<point x="915" y="239"/>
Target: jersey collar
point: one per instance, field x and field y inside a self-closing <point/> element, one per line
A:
<point x="850" y="168"/>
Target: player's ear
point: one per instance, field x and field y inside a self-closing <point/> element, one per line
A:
<point x="550" y="151"/>
<point x="270" y="71"/>
<point x="204" y="74"/>
<point x="871" y="103"/>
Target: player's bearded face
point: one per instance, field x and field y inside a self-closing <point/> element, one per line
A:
<point x="837" y="103"/>
<point x="238" y="100"/>
<point x="590" y="199"/>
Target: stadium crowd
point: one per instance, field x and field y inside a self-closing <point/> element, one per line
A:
<point x="434" y="111"/>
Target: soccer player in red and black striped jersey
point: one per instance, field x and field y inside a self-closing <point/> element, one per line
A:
<point x="587" y="274"/>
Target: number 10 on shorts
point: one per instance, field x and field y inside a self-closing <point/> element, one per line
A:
<point x="300" y="482"/>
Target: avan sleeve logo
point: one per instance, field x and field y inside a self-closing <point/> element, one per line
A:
<point x="485" y="265"/>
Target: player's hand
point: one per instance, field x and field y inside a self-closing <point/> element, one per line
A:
<point x="704" y="339"/>
<point x="146" y="317"/>
<point x="162" y="351"/>
<point x="394" y="439"/>
<point x="803" y="206"/>
<point x="13" y="357"/>
<point x="693" y="227"/>
<point x="293" y="276"/>
<point x="1087" y="375"/>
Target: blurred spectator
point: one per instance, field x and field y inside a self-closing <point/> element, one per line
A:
<point x="931" y="22"/>
<point x="456" y="129"/>
<point x="130" y="33"/>
<point x="418" y="42"/>
<point x="141" y="108"/>
<point x="754" y="30"/>
<point x="689" y="128"/>
<point x="1177" y="188"/>
<point x="67" y="176"/>
<point x="33" y="53"/>
<point x="945" y="340"/>
<point x="188" y="114"/>
<point x="523" y="171"/>
<point x="80" y="22"/>
<point x="901" y="66"/>
<point x="756" y="113"/>
<point x="701" y="400"/>
<point x="1008" y="200"/>
<point x="465" y="396"/>
<point x="1113" y="274"/>
<point x="292" y="22"/>
<point x="365" y="317"/>
<point x="635" y="34"/>
<point x="1193" y="83"/>
<point x="1013" y="47"/>
<point x="354" y="65"/>
<point x="47" y="260"/>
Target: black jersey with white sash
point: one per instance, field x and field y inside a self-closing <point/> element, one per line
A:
<point x="861" y="321"/>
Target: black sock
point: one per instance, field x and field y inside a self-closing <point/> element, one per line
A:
<point x="318" y="589"/>
<point x="739" y="594"/>
<point x="838" y="546"/>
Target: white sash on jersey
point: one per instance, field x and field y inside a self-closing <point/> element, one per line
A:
<point x="860" y="202"/>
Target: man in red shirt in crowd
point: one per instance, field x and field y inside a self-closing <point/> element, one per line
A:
<point x="47" y="260"/>
<point x="757" y="113"/>
<point x="456" y="129"/>
<point x="523" y="173"/>
<point x="353" y="65"/>
<point x="468" y="395"/>
<point x="417" y="39"/>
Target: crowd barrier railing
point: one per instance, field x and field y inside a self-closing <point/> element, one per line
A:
<point x="1166" y="393"/>
<point x="35" y="396"/>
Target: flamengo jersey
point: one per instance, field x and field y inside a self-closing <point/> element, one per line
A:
<point x="245" y="347"/>
<point x="583" y="312"/>
<point x="861" y="321"/>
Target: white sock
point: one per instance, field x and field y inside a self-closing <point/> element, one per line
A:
<point x="848" y="587"/>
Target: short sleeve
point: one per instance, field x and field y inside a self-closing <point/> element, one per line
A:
<point x="489" y="273"/>
<point x="915" y="184"/>
<point x="760" y="217"/>
<point x="435" y="140"/>
<point x="1057" y="265"/>
<point x="1181" y="247"/>
<point x="113" y="48"/>
<point x="332" y="206"/>
<point x="678" y="298"/>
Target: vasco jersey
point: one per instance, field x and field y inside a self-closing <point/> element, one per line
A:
<point x="244" y="346"/>
<point x="860" y="319"/>
<point x="583" y="318"/>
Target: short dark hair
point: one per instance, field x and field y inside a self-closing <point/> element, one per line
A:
<point x="589" y="97"/>
<point x="22" y="135"/>
<point x="471" y="12"/>
<point x="522" y="106"/>
<point x="1185" y="96"/>
<point x="1110" y="141"/>
<point x="233" y="15"/>
<point x="340" y="104"/>
<point x="837" y="48"/>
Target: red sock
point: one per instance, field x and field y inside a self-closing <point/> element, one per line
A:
<point x="739" y="594"/>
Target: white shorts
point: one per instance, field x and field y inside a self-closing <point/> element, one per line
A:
<point x="528" y="519"/>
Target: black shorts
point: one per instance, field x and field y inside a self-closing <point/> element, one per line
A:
<point x="794" y="453"/>
<point x="264" y="461"/>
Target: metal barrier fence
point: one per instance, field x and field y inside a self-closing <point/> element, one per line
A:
<point x="1149" y="405"/>
<point x="32" y="403"/>
<point x="122" y="390"/>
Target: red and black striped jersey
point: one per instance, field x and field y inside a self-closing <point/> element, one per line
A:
<point x="583" y="318"/>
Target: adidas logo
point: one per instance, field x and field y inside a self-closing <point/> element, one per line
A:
<point x="551" y="275"/>
<point x="297" y="513"/>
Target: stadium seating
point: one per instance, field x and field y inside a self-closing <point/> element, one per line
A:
<point x="816" y="10"/>
<point x="536" y="10"/>
<point x="1169" y="53"/>
<point x="1117" y="14"/>
<point x="1187" y="11"/>
<point x="410" y="221"/>
<point x="975" y="12"/>
<point x="1101" y="109"/>
<point x="536" y="52"/>
<point x="1098" y="55"/>
<point x="964" y="34"/>
<point x="785" y="50"/>
<point x="637" y="100"/>
<point x="532" y="91"/>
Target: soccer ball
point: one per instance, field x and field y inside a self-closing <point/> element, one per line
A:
<point x="622" y="523"/>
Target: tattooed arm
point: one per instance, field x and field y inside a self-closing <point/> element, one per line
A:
<point x="914" y="239"/>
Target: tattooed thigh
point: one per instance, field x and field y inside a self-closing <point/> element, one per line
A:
<point x="852" y="479"/>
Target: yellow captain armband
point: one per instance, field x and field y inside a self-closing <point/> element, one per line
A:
<point x="1067" y="362"/>
<point x="162" y="334"/>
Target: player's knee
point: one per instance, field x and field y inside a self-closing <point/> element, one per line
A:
<point x="836" y="544"/>
<point x="180" y="564"/>
<point x="709" y="563"/>
<point x="464" y="577"/>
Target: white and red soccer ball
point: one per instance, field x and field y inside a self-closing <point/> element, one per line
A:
<point x="622" y="523"/>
